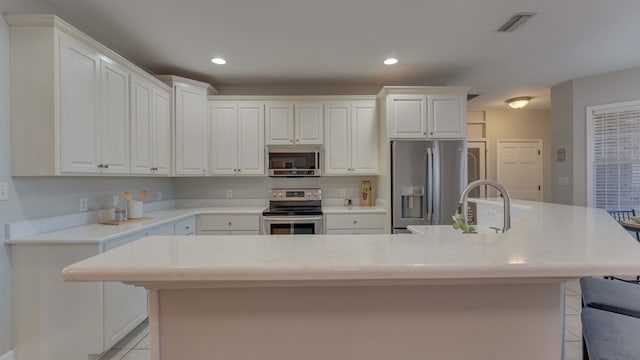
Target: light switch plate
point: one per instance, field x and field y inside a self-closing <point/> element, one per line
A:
<point x="4" y="191"/>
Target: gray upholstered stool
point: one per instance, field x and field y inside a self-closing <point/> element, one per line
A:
<point x="609" y="335"/>
<point x="611" y="295"/>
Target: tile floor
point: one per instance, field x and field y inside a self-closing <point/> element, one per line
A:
<point x="135" y="346"/>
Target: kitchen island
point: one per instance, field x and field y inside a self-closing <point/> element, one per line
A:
<point x="443" y="295"/>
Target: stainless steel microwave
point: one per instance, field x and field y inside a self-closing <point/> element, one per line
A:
<point x="294" y="161"/>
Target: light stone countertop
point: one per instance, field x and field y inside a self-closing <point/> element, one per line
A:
<point x="99" y="233"/>
<point x="550" y="241"/>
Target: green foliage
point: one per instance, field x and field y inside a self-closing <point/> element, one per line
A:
<point x="458" y="224"/>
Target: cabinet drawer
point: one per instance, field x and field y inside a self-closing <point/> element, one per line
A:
<point x="359" y="221"/>
<point x="228" y="222"/>
<point x="185" y="226"/>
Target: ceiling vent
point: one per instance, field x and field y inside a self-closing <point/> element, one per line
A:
<point x="515" y="22"/>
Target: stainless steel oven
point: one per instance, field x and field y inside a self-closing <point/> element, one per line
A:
<point x="293" y="211"/>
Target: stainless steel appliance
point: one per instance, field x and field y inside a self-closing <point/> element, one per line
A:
<point x="427" y="178"/>
<point x="293" y="211"/>
<point x="294" y="161"/>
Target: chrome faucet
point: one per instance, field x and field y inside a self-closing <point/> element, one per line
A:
<point x="506" y="200"/>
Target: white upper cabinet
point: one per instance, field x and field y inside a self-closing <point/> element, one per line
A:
<point x="114" y="122"/>
<point x="425" y="112"/>
<point x="77" y="94"/>
<point x="447" y="116"/>
<point x="309" y="124"/>
<point x="191" y="124"/>
<point x="79" y="107"/>
<point x="150" y="128"/>
<point x="407" y="116"/>
<point x="351" y="144"/>
<point x="364" y="138"/>
<point x="294" y="123"/>
<point x="161" y="130"/>
<point x="279" y="123"/>
<point x="237" y="138"/>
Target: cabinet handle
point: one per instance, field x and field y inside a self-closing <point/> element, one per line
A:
<point x="355" y="222"/>
<point x="229" y="223"/>
<point x="239" y="170"/>
<point x="290" y="140"/>
<point x="106" y="166"/>
<point x="187" y="227"/>
<point x="100" y="166"/>
<point x="297" y="140"/>
<point x="432" y="133"/>
<point x="425" y="133"/>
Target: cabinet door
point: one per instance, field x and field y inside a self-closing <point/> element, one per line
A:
<point x="141" y="118"/>
<point x="279" y="123"/>
<point x="364" y="139"/>
<point x="224" y="138"/>
<point x="408" y="116"/>
<point x="337" y="149"/>
<point x="161" y="129"/>
<point x="251" y="139"/>
<point x="447" y="116"/>
<point x="308" y="124"/>
<point x="191" y="130"/>
<point x="125" y="306"/>
<point x="114" y="134"/>
<point x="79" y="94"/>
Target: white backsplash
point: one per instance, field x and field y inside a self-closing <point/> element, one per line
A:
<point x="48" y="224"/>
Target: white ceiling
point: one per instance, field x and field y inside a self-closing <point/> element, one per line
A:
<point x="337" y="46"/>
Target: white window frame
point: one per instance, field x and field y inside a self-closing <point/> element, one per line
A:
<point x="620" y="106"/>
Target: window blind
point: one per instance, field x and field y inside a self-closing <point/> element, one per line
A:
<point x="616" y="158"/>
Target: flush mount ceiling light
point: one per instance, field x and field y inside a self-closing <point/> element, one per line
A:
<point x="218" y="61"/>
<point x="519" y="102"/>
<point x="390" y="61"/>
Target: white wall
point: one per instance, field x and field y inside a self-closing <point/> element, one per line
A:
<point x="562" y="137"/>
<point x="7" y="208"/>
<point x="258" y="187"/>
<point x="601" y="89"/>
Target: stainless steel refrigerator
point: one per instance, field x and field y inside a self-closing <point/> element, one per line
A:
<point x="427" y="178"/>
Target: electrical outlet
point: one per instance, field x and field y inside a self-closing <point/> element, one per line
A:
<point x="4" y="191"/>
<point x="229" y="194"/>
<point x="84" y="204"/>
<point x="343" y="192"/>
<point x="159" y="195"/>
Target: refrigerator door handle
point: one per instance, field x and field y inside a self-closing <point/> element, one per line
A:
<point x="429" y="202"/>
<point x="436" y="216"/>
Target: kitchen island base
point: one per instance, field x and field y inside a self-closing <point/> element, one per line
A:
<point x="465" y="321"/>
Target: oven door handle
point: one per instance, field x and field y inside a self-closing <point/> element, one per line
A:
<point x="292" y="218"/>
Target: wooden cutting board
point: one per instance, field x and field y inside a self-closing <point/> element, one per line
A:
<point x="113" y="222"/>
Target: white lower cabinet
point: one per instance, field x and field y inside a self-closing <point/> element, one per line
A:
<point x="185" y="226"/>
<point x="236" y="224"/>
<point x="354" y="223"/>
<point x="56" y="320"/>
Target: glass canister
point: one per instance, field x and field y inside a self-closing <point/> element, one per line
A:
<point x="366" y="193"/>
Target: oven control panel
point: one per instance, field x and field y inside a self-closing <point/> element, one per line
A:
<point x="296" y="194"/>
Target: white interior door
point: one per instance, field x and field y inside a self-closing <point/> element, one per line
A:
<point x="520" y="168"/>
<point x="477" y="165"/>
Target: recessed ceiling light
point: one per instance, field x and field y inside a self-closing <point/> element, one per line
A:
<point x="218" y="61"/>
<point x="390" y="61"/>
